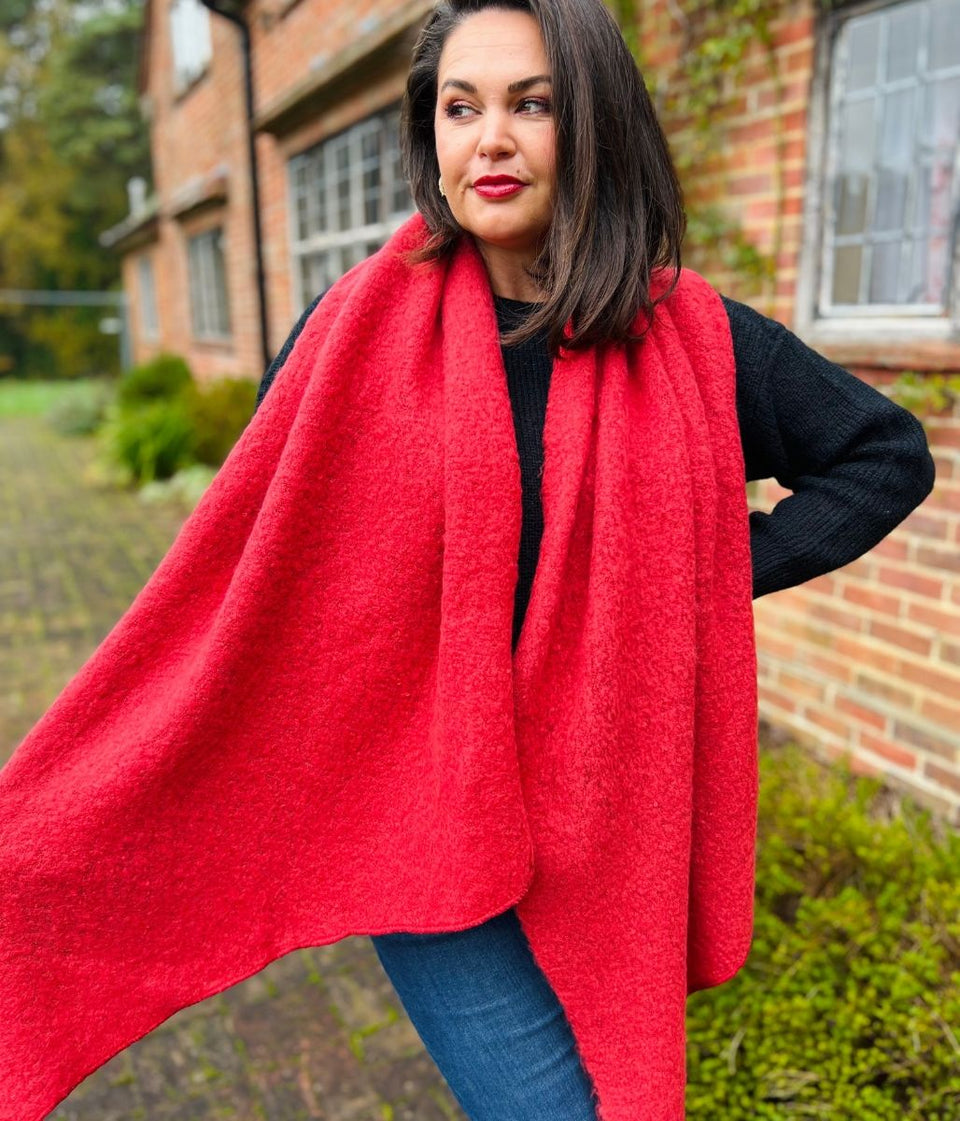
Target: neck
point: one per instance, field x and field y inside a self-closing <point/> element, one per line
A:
<point x="508" y="274"/>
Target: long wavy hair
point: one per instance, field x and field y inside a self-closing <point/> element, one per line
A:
<point x="618" y="212"/>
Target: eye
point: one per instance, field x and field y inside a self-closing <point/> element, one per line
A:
<point x="454" y="109"/>
<point x="539" y="104"/>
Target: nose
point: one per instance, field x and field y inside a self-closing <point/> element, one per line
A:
<point x="496" y="139"/>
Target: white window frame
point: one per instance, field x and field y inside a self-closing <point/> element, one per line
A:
<point x="873" y="323"/>
<point x="190" y="45"/>
<point x="324" y="250"/>
<point x="147" y="297"/>
<point x="209" y="295"/>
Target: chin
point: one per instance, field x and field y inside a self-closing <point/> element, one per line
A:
<point x="520" y="237"/>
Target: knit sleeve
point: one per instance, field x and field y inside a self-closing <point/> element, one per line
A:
<point x="274" y="368"/>
<point x="857" y="462"/>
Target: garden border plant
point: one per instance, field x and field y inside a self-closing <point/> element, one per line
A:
<point x="163" y="421"/>
<point x="849" y="1004"/>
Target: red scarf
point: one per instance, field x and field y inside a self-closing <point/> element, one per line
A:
<point x="309" y="723"/>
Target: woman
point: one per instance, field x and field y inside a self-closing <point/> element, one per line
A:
<point x="487" y="96"/>
<point x="312" y="722"/>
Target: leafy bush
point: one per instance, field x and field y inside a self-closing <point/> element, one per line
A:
<point x="151" y="442"/>
<point x="219" y="411"/>
<point x="162" y="378"/>
<point x="849" y="1004"/>
<point x="80" y="409"/>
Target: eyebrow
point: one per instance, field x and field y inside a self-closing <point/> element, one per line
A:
<point x="514" y="87"/>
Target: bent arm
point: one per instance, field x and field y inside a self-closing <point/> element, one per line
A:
<point x="857" y="462"/>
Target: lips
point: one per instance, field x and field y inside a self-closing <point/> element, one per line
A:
<point x="496" y="180"/>
<point x="497" y="186"/>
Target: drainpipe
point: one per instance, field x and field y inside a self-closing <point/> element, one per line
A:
<point x="232" y="10"/>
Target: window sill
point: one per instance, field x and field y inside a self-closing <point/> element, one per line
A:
<point x="214" y="342"/>
<point x="887" y="344"/>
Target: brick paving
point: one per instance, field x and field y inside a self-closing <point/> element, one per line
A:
<point x="318" y="1034"/>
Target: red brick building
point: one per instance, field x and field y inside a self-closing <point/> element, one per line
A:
<point x="836" y="154"/>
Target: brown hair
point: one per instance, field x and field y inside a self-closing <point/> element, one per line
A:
<point x="618" y="210"/>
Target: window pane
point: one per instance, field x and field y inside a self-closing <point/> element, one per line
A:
<point x="318" y="194"/>
<point x="221" y="305"/>
<point x="885" y="273"/>
<point x="194" y="280"/>
<point x="897" y="134"/>
<point x="858" y="136"/>
<point x="851" y="204"/>
<point x="945" y="133"/>
<point x="944" y="114"/>
<point x="189" y="39"/>
<point x="917" y="275"/>
<point x="209" y="305"/>
<point x="936" y="269"/>
<point x="846" y="274"/>
<point x="891" y="201"/>
<point x="944" y="34"/>
<point x="402" y="202"/>
<point x="372" y="190"/>
<point x="313" y="276"/>
<point x="903" y="43"/>
<point x="147" y="293"/>
<point x="863" y="53"/>
<point x="926" y="272"/>
<point x="921" y="200"/>
<point x="300" y="197"/>
<point x="353" y="255"/>
<point x="342" y="166"/>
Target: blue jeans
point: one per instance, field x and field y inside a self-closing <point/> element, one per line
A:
<point x="490" y="1021"/>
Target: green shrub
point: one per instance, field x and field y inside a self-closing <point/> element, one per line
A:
<point x="849" y="1004"/>
<point x="219" y="411"/>
<point x="80" y="409"/>
<point x="160" y="379"/>
<point x="151" y="442"/>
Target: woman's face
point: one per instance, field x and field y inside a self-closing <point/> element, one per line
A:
<point x="494" y="121"/>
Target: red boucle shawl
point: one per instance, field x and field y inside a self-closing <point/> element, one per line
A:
<point x="309" y="724"/>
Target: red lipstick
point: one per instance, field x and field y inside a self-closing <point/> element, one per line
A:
<point x="497" y="186"/>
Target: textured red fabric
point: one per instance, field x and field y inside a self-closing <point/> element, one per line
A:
<point x="309" y="723"/>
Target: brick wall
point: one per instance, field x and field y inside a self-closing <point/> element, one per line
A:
<point x="866" y="659"/>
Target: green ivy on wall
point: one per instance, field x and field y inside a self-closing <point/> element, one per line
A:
<point x="926" y="393"/>
<point x="718" y="36"/>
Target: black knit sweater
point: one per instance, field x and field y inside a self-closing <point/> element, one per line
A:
<point x="856" y="462"/>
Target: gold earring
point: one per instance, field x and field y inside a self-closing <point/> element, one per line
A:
<point x="443" y="193"/>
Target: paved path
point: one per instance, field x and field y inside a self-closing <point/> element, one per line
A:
<point x="318" y="1034"/>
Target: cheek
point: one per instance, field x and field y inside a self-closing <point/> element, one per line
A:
<point x="450" y="153"/>
<point x="549" y="157"/>
<point x="541" y="156"/>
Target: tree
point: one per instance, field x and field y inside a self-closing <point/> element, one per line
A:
<point x="72" y="135"/>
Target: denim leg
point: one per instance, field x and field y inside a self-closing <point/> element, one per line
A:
<point x="490" y="1021"/>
